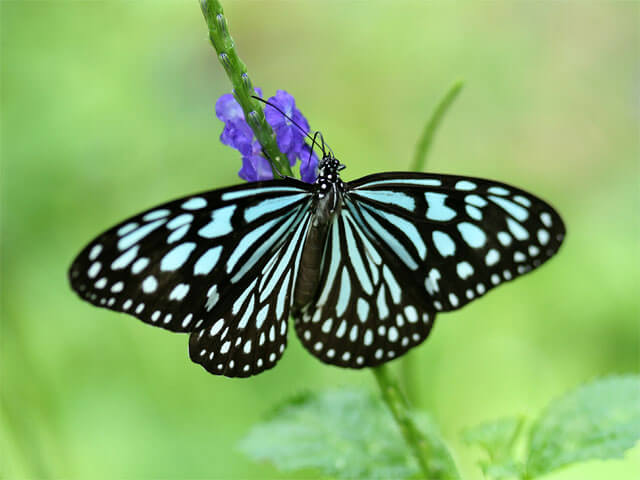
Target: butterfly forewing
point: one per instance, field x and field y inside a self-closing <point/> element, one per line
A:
<point x="458" y="237"/>
<point x="170" y="265"/>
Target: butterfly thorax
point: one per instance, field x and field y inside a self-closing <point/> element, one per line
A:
<point x="328" y="190"/>
<point x="327" y="203"/>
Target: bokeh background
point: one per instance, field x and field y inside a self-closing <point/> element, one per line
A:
<point x="107" y="109"/>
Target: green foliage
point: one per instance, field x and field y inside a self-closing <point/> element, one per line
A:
<point x="344" y="434"/>
<point x="498" y="439"/>
<point x="600" y="420"/>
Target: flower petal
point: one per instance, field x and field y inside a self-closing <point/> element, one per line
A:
<point x="255" y="167"/>
<point x="228" y="108"/>
<point x="237" y="134"/>
<point x="308" y="164"/>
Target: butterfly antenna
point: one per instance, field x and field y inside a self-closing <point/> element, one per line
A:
<point x="316" y="133"/>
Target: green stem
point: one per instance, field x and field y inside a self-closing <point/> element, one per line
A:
<point x="399" y="407"/>
<point x="422" y="149"/>
<point x="242" y="85"/>
<point x="408" y="377"/>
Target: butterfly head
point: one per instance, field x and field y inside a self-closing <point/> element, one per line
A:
<point x="329" y="186"/>
<point x="330" y="167"/>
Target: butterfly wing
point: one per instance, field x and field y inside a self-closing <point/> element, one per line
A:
<point x="362" y="315"/>
<point x="407" y="245"/>
<point x="249" y="334"/>
<point x="459" y="236"/>
<point x="186" y="264"/>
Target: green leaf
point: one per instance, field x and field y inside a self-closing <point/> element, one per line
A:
<point x="497" y="438"/>
<point x="343" y="434"/>
<point x="600" y="420"/>
<point x="509" y="468"/>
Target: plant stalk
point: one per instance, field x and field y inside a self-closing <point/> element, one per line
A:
<point x="399" y="406"/>
<point x="424" y="144"/>
<point x="242" y="85"/>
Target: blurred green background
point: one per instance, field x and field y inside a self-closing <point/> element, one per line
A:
<point x="107" y="108"/>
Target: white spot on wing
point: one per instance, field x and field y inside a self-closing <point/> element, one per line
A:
<point x="504" y="238"/>
<point x="436" y="209"/>
<point x="95" y="251"/>
<point x="362" y="309"/>
<point x="94" y="269"/>
<point x="216" y="327"/>
<point x="179" y="292"/>
<point x="543" y="236"/>
<point x="139" y="265"/>
<point x="129" y="227"/>
<point x="492" y="257"/>
<point x="194" y="203"/>
<point x="411" y="313"/>
<point x="444" y="243"/>
<point x="207" y="261"/>
<point x="517" y="230"/>
<point x="453" y="300"/>
<point x="178" y="233"/>
<point x="465" y="185"/>
<point x="149" y="284"/>
<point x="464" y="270"/>
<point x="220" y="223"/>
<point x="156" y="214"/>
<point x="381" y="303"/>
<point x="176" y="257"/>
<point x="473" y="235"/>
<point x="498" y="191"/>
<point x="431" y="282"/>
<point x="345" y="292"/>
<point x="179" y="221"/>
<point x="546" y="219"/>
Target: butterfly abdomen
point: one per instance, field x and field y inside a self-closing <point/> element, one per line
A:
<point x="311" y="263"/>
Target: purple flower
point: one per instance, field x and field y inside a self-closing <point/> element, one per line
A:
<point x="236" y="133"/>
<point x="291" y="141"/>
<point x="255" y="166"/>
<point x="290" y="138"/>
<point x="308" y="164"/>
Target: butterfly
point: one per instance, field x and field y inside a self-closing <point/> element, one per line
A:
<point x="363" y="267"/>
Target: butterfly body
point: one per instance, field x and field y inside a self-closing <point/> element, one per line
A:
<point x="363" y="266"/>
<point x="327" y="202"/>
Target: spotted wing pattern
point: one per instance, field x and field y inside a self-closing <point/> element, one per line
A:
<point x="406" y="246"/>
<point x="250" y="334"/>
<point x="187" y="264"/>
<point x="458" y="237"/>
<point x="364" y="314"/>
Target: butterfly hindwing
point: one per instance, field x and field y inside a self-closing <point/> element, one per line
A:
<point x="249" y="334"/>
<point x="459" y="237"/>
<point x="181" y="263"/>
<point x="363" y="314"/>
